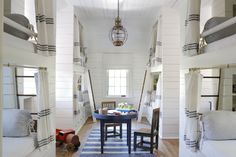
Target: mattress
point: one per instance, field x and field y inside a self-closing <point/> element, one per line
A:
<point x="20" y="147"/>
<point x="228" y="31"/>
<point x="219" y="148"/>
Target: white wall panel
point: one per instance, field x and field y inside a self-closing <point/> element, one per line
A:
<point x="170" y="74"/>
<point x="64" y="67"/>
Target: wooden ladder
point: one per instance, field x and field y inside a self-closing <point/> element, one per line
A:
<point x="140" y="106"/>
<point x="91" y="94"/>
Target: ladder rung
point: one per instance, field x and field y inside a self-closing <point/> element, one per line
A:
<point x="209" y="95"/>
<point x="211" y="77"/>
<point x="25" y="76"/>
<point x="26" y="95"/>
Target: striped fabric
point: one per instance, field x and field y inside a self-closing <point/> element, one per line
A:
<point x="77" y="42"/>
<point x="45" y="14"/>
<point x="159" y="41"/>
<point x="45" y="129"/>
<point x="192" y="28"/>
<point x="45" y="112"/>
<point x="158" y="92"/>
<point x="113" y="146"/>
<point x="192" y="100"/>
<point x="45" y="141"/>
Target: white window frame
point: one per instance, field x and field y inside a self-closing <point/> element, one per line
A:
<point x="127" y="83"/>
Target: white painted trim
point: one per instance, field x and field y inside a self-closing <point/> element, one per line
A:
<point x="128" y="84"/>
<point x="169" y="138"/>
<point x="1" y="34"/>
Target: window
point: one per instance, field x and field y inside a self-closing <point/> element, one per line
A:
<point x="29" y="81"/>
<point x="117" y="82"/>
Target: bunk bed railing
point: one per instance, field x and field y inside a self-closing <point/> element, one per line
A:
<point x="18" y="27"/>
<point x="219" y="27"/>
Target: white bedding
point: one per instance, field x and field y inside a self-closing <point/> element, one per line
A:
<point x="225" y="148"/>
<point x="18" y="147"/>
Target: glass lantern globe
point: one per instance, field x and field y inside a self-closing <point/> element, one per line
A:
<point x="118" y="34"/>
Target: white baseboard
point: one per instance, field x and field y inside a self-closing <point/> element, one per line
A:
<point x="169" y="138"/>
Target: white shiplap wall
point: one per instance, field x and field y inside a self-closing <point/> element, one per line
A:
<point x="64" y="67"/>
<point x="169" y="123"/>
<point x="218" y="8"/>
<point x="17" y="6"/>
<point x="98" y="63"/>
<point x="14" y="6"/>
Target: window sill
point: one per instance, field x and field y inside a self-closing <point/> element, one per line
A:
<point x="118" y="97"/>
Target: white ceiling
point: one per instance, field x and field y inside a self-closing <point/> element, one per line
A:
<point x="129" y="9"/>
<point x="138" y="17"/>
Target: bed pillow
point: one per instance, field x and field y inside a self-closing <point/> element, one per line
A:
<point x="214" y="21"/>
<point x="219" y="125"/>
<point x="16" y="123"/>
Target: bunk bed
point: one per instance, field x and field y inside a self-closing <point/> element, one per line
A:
<point x="216" y="50"/>
<point x="18" y="52"/>
<point x="15" y="41"/>
<point x="221" y="38"/>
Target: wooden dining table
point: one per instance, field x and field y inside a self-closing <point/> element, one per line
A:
<point x="113" y="118"/>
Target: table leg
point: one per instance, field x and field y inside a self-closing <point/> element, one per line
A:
<point x="102" y="135"/>
<point x="129" y="134"/>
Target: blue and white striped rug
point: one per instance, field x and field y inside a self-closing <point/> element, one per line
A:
<point x="114" y="147"/>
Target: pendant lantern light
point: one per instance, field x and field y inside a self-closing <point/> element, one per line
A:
<point x="118" y="34"/>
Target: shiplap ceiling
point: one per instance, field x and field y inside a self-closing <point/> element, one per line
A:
<point x="138" y="17"/>
<point x="129" y="9"/>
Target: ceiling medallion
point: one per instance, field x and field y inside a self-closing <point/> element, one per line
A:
<point x="118" y="34"/>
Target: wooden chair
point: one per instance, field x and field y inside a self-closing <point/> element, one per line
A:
<point x="111" y="105"/>
<point x="151" y="133"/>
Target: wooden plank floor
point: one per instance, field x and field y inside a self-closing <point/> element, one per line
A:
<point x="167" y="148"/>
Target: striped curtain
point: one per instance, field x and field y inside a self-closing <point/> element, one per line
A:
<point x="45" y="128"/>
<point x="77" y="58"/>
<point x="193" y="86"/>
<point x="192" y="28"/>
<point x="45" y="15"/>
<point x="159" y="42"/>
<point x="158" y="92"/>
<point x="9" y="88"/>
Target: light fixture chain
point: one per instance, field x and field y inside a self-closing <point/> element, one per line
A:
<point x="118" y="9"/>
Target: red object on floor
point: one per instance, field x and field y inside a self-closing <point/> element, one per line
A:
<point x="61" y="134"/>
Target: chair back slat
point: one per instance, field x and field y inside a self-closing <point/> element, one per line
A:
<point x="155" y="120"/>
<point x="111" y="105"/>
